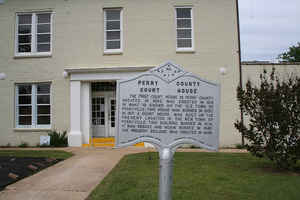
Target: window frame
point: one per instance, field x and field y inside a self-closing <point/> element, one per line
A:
<point x="113" y="51"/>
<point x="185" y="49"/>
<point x="34" y="23"/>
<point x="34" y="106"/>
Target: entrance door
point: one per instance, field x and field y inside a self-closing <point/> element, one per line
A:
<point x="103" y="114"/>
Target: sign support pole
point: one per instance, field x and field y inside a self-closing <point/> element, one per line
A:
<point x="165" y="173"/>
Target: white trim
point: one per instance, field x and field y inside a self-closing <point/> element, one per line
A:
<point x="104" y="74"/>
<point x="190" y="49"/>
<point x="34" y="42"/>
<point x="108" y="69"/>
<point x="113" y="51"/>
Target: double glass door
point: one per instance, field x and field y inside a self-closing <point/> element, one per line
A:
<point x="103" y="114"/>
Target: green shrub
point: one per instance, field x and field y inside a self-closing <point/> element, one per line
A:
<point x="58" y="139"/>
<point x="273" y="111"/>
<point x="23" y="145"/>
<point x="240" y="146"/>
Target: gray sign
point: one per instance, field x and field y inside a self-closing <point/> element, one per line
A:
<point x="168" y="107"/>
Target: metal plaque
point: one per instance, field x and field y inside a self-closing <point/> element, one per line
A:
<point x="168" y="107"/>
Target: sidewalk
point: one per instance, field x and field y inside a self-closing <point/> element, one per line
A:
<point x="76" y="177"/>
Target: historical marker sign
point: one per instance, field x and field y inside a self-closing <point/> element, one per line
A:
<point x="167" y="107"/>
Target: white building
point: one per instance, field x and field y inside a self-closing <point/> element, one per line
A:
<point x="60" y="60"/>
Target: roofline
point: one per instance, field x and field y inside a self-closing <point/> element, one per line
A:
<point x="268" y="63"/>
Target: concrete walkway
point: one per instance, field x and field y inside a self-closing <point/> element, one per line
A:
<point x="72" y="179"/>
<point x="76" y="177"/>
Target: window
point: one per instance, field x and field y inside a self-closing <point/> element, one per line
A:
<point x="33" y="34"/>
<point x="33" y="108"/>
<point x="184" y="29"/>
<point x="112" y="30"/>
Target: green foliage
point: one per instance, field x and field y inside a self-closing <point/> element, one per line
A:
<point x="239" y="146"/>
<point x="23" y="145"/>
<point x="58" y="139"/>
<point x="273" y="110"/>
<point x="292" y="55"/>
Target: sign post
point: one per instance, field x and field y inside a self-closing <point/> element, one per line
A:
<point x="167" y="107"/>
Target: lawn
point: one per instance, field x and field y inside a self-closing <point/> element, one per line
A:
<point x="203" y="176"/>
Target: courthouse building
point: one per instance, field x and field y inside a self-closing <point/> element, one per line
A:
<point x="60" y="60"/>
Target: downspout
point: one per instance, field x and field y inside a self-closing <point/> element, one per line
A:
<point x="240" y="61"/>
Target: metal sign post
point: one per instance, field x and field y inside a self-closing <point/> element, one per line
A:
<point x="165" y="174"/>
<point x="168" y="107"/>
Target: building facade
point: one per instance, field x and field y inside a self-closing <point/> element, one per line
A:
<point x="60" y="60"/>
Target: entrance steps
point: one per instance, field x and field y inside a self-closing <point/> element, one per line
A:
<point x="105" y="142"/>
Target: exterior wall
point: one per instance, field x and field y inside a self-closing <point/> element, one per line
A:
<point x="252" y="71"/>
<point x="149" y="40"/>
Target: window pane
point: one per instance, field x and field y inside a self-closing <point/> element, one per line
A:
<point x="185" y="33"/>
<point x="43" y="110"/>
<point x="24" y="89"/>
<point x="113" y="45"/>
<point x="24" y="29"/>
<point x="112" y="14"/>
<point x="184" y="43"/>
<point x="25" y="120"/>
<point x="24" y="39"/>
<point x="25" y="19"/>
<point x="24" y="99"/>
<point x="24" y="48"/>
<point x="113" y="25"/>
<point x="113" y="35"/>
<point x="102" y="122"/>
<point x="43" y="99"/>
<point x="43" y="88"/>
<point x="44" y="18"/>
<point x="184" y="23"/>
<point x="183" y="12"/>
<point x="43" y="47"/>
<point x="44" y="38"/>
<point x="43" y="120"/>
<point x="24" y="110"/>
<point x="43" y="28"/>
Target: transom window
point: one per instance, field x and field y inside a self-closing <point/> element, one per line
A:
<point x="33" y="35"/>
<point x="33" y="108"/>
<point x="184" y="29"/>
<point x="112" y="30"/>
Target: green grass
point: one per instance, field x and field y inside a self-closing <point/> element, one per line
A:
<point x="200" y="176"/>
<point x="36" y="153"/>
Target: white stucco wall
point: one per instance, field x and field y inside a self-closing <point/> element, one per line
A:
<point x="252" y="71"/>
<point x="149" y="40"/>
